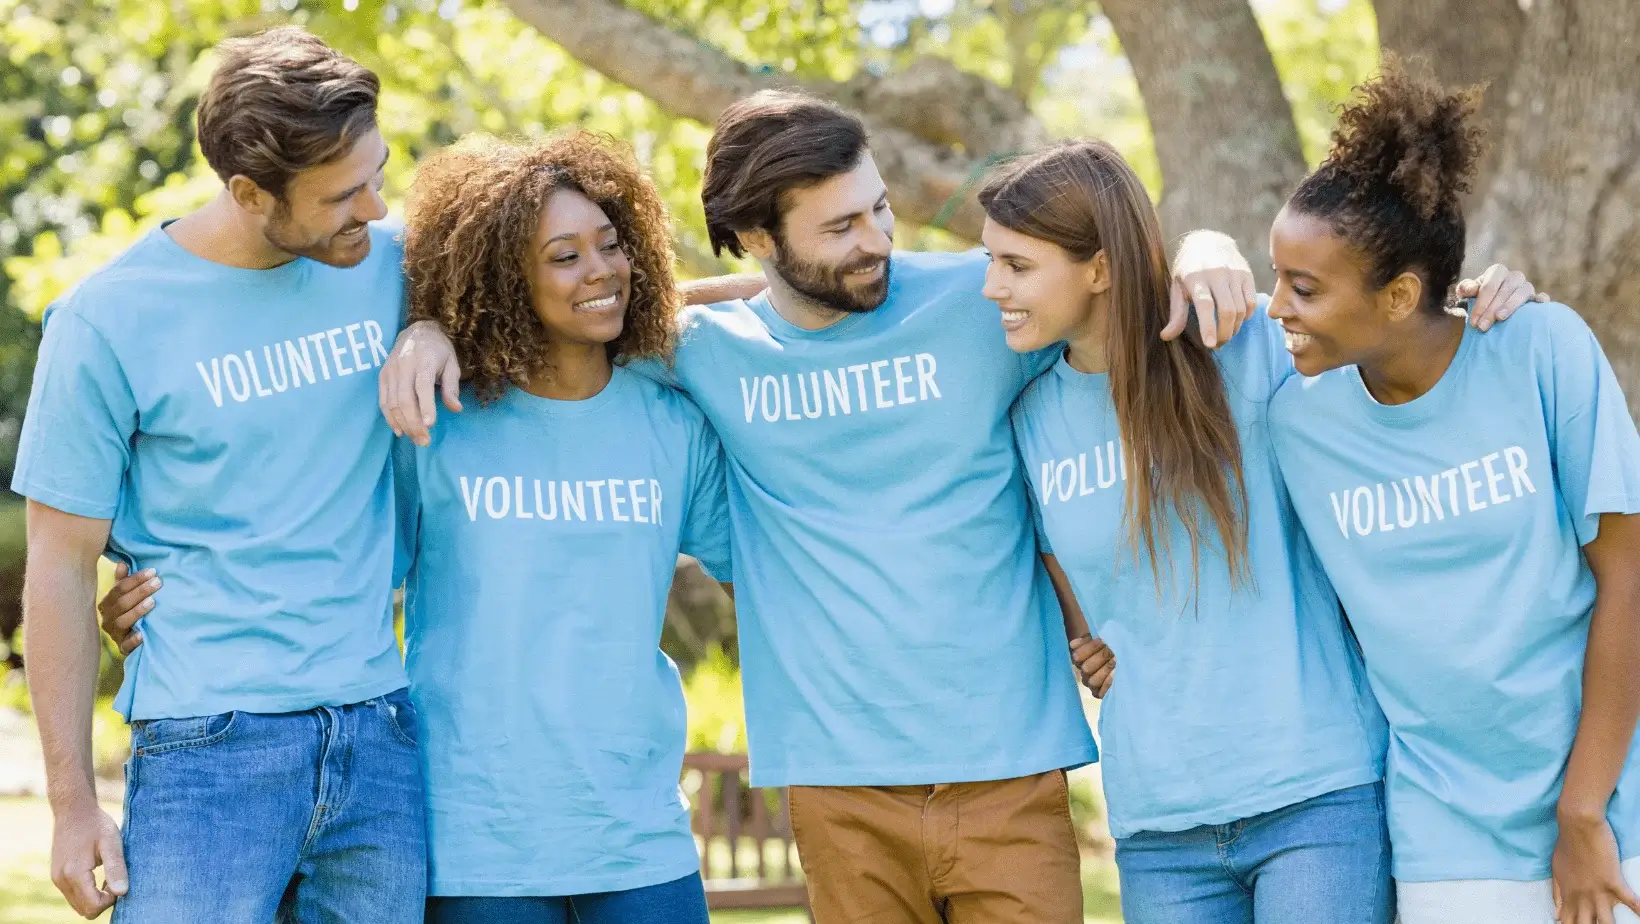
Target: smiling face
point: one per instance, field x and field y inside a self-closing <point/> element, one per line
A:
<point x="834" y="240"/>
<point x="326" y="210"/>
<point x="580" y="277"/>
<point x="1045" y="295"/>
<point x="1323" y="299"/>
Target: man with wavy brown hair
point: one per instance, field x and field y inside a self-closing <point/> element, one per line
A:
<point x="203" y="407"/>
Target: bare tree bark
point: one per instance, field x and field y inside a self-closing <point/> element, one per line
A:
<point x="1224" y="131"/>
<point x="1465" y="42"/>
<point x="1564" y="203"/>
<point x="931" y="125"/>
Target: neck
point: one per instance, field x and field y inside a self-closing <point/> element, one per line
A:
<point x="571" y="372"/>
<point x="1415" y="360"/>
<point x="1085" y="349"/>
<point x="221" y="232"/>
<point x="796" y="308"/>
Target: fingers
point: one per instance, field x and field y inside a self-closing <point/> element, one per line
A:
<point x="1207" y="311"/>
<point x="450" y="379"/>
<point x="1178" y="311"/>
<point x="1627" y="898"/>
<point x="116" y="881"/>
<point x="1249" y="294"/>
<point x="1231" y="306"/>
<point x="1501" y="293"/>
<point x="80" y="888"/>
<point x="1105" y="687"/>
<point x="130" y="599"/>
<point x="425" y="409"/>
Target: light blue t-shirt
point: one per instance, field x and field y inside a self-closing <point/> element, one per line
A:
<point x="225" y="420"/>
<point x="896" y="625"/>
<point x="1452" y="527"/>
<point x="1234" y="703"/>
<point x="543" y="537"/>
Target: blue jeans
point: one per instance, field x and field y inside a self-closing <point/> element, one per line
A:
<point x="1325" y="859"/>
<point x="301" y="818"/>
<point x="681" y="901"/>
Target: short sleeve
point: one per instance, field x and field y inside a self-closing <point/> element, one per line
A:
<point x="1596" y="449"/>
<point x="406" y="508"/>
<point x="706" y="519"/>
<point x="75" y="444"/>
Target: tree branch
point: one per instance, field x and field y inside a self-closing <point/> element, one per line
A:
<point x="1224" y="131"/>
<point x="917" y="119"/>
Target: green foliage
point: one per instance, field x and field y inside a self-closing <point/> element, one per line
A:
<point x="717" y="718"/>
<point x="1322" y="48"/>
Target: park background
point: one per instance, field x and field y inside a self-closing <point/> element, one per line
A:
<point x="1221" y="106"/>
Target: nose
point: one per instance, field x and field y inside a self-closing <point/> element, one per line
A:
<point x="994" y="289"/>
<point x="372" y="208"/>
<point x="599" y="266"/>
<point x="1281" y="304"/>
<point x="879" y="240"/>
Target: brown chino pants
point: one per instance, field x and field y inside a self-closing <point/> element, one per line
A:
<point x="999" y="852"/>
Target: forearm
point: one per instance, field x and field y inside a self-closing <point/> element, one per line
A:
<point x="63" y="654"/>
<point x="1076" y="624"/>
<point x="1611" y="704"/>
<point x="721" y="288"/>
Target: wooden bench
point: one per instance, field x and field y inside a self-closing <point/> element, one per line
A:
<point x="747" y="855"/>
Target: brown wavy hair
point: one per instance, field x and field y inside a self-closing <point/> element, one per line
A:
<point x="472" y="214"/>
<point x="1179" y="440"/>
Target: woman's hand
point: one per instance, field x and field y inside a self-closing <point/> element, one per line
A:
<point x="1588" y="877"/>
<point x="130" y="599"/>
<point x="1095" y="664"/>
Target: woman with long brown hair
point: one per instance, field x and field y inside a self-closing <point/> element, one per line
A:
<point x="1242" y="753"/>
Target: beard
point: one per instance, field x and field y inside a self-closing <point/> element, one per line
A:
<point x="828" y="285"/>
<point x="331" y="250"/>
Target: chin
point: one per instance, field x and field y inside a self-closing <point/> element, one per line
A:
<point x="1024" y="341"/>
<point x="345" y="257"/>
<point x="1312" y="366"/>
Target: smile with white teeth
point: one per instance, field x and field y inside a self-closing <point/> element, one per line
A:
<point x="597" y="304"/>
<point x="1295" y="342"/>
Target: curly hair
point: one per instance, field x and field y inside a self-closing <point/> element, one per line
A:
<point x="1402" y="156"/>
<point x="472" y="214"/>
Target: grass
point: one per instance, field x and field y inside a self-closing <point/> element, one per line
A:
<point x="28" y="897"/>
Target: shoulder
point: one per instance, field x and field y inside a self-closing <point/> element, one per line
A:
<point x="732" y="318"/>
<point x="1041" y="393"/>
<point x="117" y="289"/>
<point x="1541" y="325"/>
<point x="941" y="270"/>
<point x="660" y="401"/>
<point x="1300" y="395"/>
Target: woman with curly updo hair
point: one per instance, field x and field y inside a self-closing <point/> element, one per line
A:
<point x="1473" y="499"/>
<point x="541" y="530"/>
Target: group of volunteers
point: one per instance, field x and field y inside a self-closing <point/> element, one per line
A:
<point x="1370" y="564"/>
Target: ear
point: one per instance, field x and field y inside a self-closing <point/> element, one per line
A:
<point x="757" y="242"/>
<point x="251" y="197"/>
<point x="1403" y="297"/>
<point x="1097" y="274"/>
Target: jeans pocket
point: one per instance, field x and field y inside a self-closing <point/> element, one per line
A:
<point x="156" y="736"/>
<point x="402" y="718"/>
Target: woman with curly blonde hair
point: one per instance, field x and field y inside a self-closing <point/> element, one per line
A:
<point x="540" y="533"/>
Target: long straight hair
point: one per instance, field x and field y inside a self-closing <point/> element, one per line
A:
<point x="1180" y="441"/>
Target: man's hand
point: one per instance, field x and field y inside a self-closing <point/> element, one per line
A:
<point x="84" y="839"/>
<point x="1095" y="664"/>
<point x="1588" y="877"/>
<point x="1210" y="273"/>
<point x="1497" y="294"/>
<point x="422" y="357"/>
<point x="130" y="599"/>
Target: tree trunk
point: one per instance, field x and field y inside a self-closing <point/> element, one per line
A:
<point x="931" y="126"/>
<point x="1224" y="132"/>
<point x="1482" y="50"/>
<point x="1564" y="203"/>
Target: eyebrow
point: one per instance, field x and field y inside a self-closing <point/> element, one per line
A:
<point x="845" y="219"/>
<point x="354" y="191"/>
<point x="570" y="235"/>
